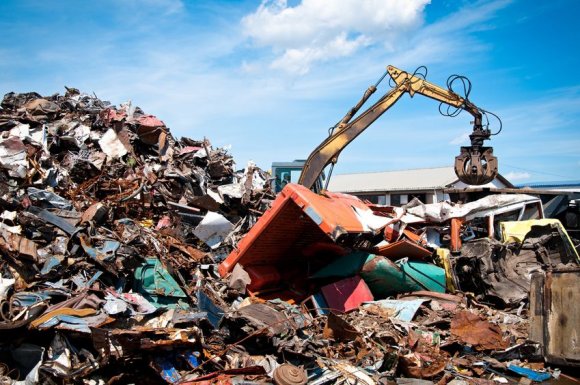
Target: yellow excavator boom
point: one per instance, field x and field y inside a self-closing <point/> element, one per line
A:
<point x="475" y="165"/>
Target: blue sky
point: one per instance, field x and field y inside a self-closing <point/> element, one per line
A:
<point x="268" y="78"/>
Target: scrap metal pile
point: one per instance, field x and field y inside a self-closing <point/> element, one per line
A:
<point x="108" y="228"/>
<point x="417" y="292"/>
<point x="128" y="256"/>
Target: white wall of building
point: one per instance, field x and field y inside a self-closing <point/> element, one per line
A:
<point x="496" y="183"/>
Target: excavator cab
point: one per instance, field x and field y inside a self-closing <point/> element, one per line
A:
<point x="289" y="172"/>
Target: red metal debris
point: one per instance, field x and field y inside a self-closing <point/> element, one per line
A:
<point x="347" y="294"/>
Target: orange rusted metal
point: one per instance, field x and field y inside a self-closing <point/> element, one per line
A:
<point x="456" y="224"/>
<point x="299" y="220"/>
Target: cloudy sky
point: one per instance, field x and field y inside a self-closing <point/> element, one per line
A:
<point x="267" y="78"/>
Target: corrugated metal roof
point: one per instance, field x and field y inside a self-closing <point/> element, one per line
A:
<point x="417" y="179"/>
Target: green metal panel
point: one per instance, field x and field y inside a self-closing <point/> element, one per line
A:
<point x="386" y="278"/>
<point x="155" y="283"/>
<point x="346" y="266"/>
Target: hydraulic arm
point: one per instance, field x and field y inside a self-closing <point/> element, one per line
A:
<point x="475" y="165"/>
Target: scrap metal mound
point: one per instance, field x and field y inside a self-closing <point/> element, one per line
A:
<point x="130" y="256"/>
<point x="109" y="226"/>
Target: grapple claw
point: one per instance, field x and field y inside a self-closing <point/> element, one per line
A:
<point x="476" y="166"/>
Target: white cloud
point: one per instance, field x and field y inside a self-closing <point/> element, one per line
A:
<point x="517" y="175"/>
<point x="298" y="61"/>
<point x="469" y="18"/>
<point x="319" y="30"/>
<point x="449" y="40"/>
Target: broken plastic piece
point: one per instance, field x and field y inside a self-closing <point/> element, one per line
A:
<point x="533" y="375"/>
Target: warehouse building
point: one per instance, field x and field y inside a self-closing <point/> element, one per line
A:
<point x="399" y="187"/>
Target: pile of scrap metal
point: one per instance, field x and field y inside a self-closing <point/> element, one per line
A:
<point x="109" y="228"/>
<point x="128" y="256"/>
<point x="430" y="291"/>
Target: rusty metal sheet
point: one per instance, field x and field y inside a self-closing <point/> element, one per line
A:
<point x="149" y="129"/>
<point x="403" y="249"/>
<point x="555" y="315"/>
<point x="269" y="321"/>
<point x="96" y="212"/>
<point x="473" y="329"/>
<point x="20" y="245"/>
<point x="339" y="329"/>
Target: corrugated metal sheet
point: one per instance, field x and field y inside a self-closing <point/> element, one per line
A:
<point x="418" y="179"/>
<point x="421" y="179"/>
